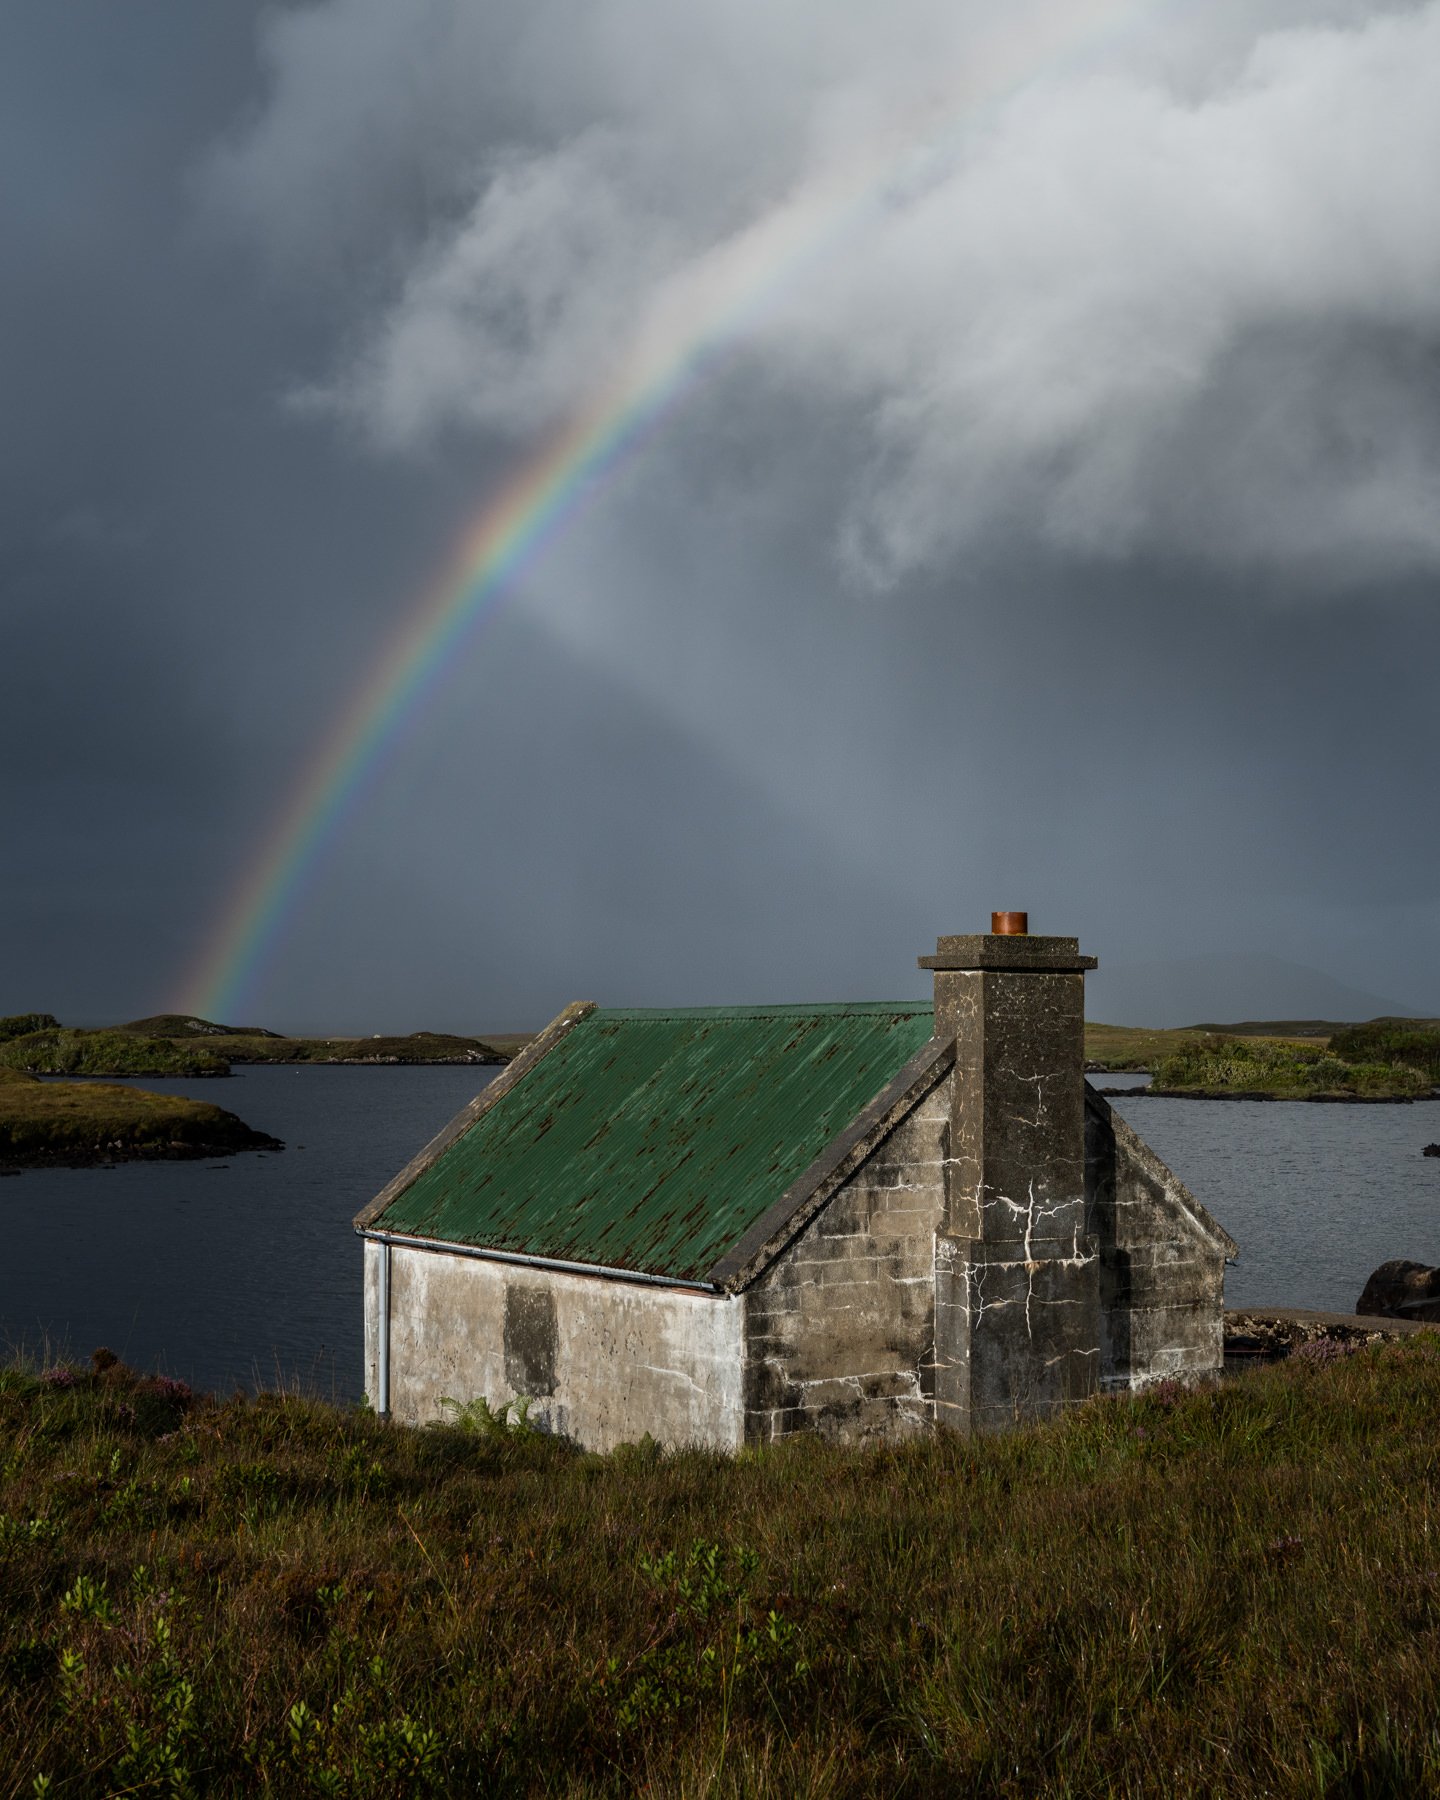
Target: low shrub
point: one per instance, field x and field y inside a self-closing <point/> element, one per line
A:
<point x="1386" y="1040"/>
<point x="23" y="1024"/>
<point x="1287" y="1070"/>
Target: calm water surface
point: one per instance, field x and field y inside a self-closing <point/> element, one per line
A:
<point x="247" y="1272"/>
<point x="244" y="1272"/>
<point x="1316" y="1196"/>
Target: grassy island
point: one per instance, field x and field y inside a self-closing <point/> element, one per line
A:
<point x="1388" y="1059"/>
<point x="253" y="1044"/>
<point x="418" y="1047"/>
<point x="1260" y="1067"/>
<point x="84" y="1123"/>
<point x="1226" y="1591"/>
<point x="60" y="1051"/>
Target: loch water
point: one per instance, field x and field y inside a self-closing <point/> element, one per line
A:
<point x="243" y="1272"/>
<point x="1316" y="1195"/>
<point x="246" y="1272"/>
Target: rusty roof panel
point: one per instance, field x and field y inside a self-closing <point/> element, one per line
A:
<point x="653" y="1140"/>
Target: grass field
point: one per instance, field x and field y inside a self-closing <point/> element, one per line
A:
<point x="1234" y="1591"/>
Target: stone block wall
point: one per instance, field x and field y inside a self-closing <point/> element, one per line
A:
<point x="840" y="1329"/>
<point x="1162" y="1260"/>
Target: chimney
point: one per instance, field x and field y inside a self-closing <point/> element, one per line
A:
<point x="1017" y="1319"/>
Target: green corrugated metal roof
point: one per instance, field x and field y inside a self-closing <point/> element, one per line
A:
<point x="653" y="1140"/>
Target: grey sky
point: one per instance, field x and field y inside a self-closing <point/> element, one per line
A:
<point x="1061" y="535"/>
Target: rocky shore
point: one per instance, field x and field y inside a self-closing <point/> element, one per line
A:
<point x="1268" y="1334"/>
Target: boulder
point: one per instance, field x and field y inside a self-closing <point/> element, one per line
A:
<point x="1402" y="1290"/>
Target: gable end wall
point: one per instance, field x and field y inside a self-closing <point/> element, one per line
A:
<point x="840" y="1328"/>
<point x="1162" y="1261"/>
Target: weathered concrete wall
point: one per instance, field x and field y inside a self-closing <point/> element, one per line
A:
<point x="1016" y="1272"/>
<point x="840" y="1329"/>
<point x="601" y="1361"/>
<point x="1162" y="1260"/>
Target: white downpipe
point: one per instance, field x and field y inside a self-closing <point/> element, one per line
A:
<point x="382" y="1399"/>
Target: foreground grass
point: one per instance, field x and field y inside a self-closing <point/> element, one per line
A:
<point x="88" y="1122"/>
<point x="1235" y="1591"/>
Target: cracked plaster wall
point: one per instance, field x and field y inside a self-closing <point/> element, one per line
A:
<point x="601" y="1361"/>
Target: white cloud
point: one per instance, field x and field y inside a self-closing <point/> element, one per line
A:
<point x="1175" y="288"/>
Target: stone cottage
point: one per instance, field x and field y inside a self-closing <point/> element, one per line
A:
<point x="722" y="1224"/>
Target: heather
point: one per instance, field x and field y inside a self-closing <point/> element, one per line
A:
<point x="1233" y="1590"/>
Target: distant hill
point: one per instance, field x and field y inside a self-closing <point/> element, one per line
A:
<point x="1248" y="986"/>
<point x="1317" y="1028"/>
<point x="184" y="1025"/>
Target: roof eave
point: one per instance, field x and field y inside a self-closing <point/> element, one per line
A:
<point x="560" y="1026"/>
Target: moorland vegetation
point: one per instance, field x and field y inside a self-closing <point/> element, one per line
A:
<point x="1231" y="1590"/>
<point x="1231" y="1067"/>
<point x="60" y="1050"/>
<point x="1384" y="1060"/>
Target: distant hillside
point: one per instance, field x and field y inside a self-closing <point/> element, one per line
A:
<point x="1246" y="985"/>
<point x="1313" y="1028"/>
<point x="64" y="1052"/>
<point x="183" y="1025"/>
<point x="418" y="1047"/>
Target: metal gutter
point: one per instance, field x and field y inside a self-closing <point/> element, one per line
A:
<point x="387" y="1238"/>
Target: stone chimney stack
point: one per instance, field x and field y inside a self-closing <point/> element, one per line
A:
<point x="1017" y="1314"/>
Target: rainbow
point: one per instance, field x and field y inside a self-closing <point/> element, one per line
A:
<point x="689" y="332"/>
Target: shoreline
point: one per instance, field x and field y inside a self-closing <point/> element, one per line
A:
<point x="114" y="1154"/>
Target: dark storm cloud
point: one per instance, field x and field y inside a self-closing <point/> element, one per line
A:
<point x="1067" y="541"/>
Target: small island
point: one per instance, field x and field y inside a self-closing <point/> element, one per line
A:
<point x="255" y="1044"/>
<point x="172" y="1044"/>
<point x="84" y="1124"/>
<point x="91" y="1121"/>
<point x="1384" y="1060"/>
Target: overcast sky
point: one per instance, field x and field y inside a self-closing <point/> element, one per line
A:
<point x="1059" y="528"/>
